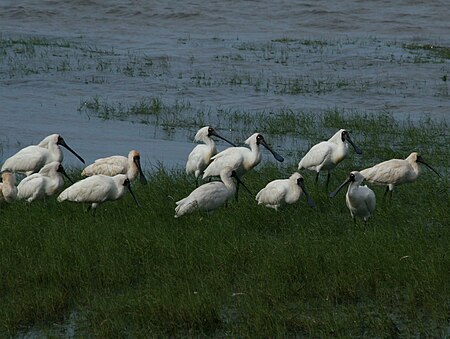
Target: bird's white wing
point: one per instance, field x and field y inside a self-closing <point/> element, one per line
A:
<point x="316" y="156"/>
<point x="273" y="194"/>
<point x="231" y="157"/>
<point x="30" y="185"/>
<point x="110" y="166"/>
<point x="92" y="189"/>
<point x="387" y="172"/>
<point x="31" y="158"/>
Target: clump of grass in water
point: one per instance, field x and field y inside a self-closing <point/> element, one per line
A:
<point x="442" y="52"/>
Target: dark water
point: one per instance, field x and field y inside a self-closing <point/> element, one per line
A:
<point x="360" y="43"/>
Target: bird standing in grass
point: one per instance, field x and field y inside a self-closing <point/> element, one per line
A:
<point x="201" y="155"/>
<point x="209" y="196"/>
<point x="8" y="189"/>
<point x="326" y="155"/>
<point x="118" y="164"/>
<point x="48" y="181"/>
<point x="32" y="158"/>
<point x="98" y="189"/>
<point x="360" y="200"/>
<point x="240" y="159"/>
<point x="282" y="192"/>
<point x="395" y="172"/>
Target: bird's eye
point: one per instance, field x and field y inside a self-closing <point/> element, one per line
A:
<point x="210" y="130"/>
<point x="126" y="182"/>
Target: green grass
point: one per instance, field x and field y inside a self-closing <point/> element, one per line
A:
<point x="244" y="270"/>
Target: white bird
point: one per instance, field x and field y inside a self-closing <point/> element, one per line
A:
<point x="118" y="164"/>
<point x="282" y="192"/>
<point x="8" y="189"/>
<point x="240" y="159"/>
<point x="32" y="158"/>
<point x="209" y="196"/>
<point x="360" y="200"/>
<point x="200" y="157"/>
<point x="326" y="155"/>
<point x="395" y="172"/>
<point x="48" y="181"/>
<point x="98" y="189"/>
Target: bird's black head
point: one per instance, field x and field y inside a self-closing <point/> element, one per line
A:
<point x="259" y="139"/>
<point x="300" y="181"/>
<point x="126" y="182"/>
<point x="345" y="135"/>
<point x="352" y="177"/>
<point x="60" y="140"/>
<point x="211" y="131"/>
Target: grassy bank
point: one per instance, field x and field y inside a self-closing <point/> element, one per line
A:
<point x="243" y="270"/>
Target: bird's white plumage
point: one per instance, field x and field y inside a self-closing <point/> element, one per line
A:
<point x="96" y="189"/>
<point x="48" y="181"/>
<point x="394" y="172"/>
<point x="117" y="164"/>
<point x="208" y="196"/>
<point x="280" y="192"/>
<point x="32" y="158"/>
<point x="359" y="199"/>
<point x="326" y="155"/>
<point x="239" y="159"/>
<point x="8" y="189"/>
<point x="200" y="156"/>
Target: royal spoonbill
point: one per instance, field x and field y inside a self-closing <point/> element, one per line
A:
<point x="282" y="192"/>
<point x="360" y="200"/>
<point x="8" y="189"/>
<point x="98" y="189"/>
<point x="209" y="196"/>
<point x="118" y="164"/>
<point x="326" y="155"/>
<point x="32" y="158"/>
<point x="48" y="181"/>
<point x="200" y="157"/>
<point x="240" y="159"/>
<point x="395" y="172"/>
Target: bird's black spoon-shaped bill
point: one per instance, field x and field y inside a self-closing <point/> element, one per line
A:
<point x="63" y="143"/>
<point x="132" y="194"/>
<point x="275" y="154"/>
<point x="309" y="200"/>
<point x="221" y="137"/>
<point x="420" y="159"/>
<point x="333" y="194"/>
<point x="240" y="182"/>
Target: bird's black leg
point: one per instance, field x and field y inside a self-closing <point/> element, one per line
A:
<point x="328" y="179"/>
<point x="317" y="177"/>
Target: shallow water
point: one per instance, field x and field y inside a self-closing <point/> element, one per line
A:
<point x="216" y="55"/>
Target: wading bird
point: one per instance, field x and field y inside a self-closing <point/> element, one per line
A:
<point x="98" y="189"/>
<point x="32" y="158"/>
<point x="118" y="164"/>
<point x="48" y="181"/>
<point x="8" y="189"/>
<point x="209" y="196"/>
<point x="360" y="200"/>
<point x="200" y="157"/>
<point x="282" y="192"/>
<point x="395" y="172"/>
<point x="240" y="159"/>
<point x="326" y="155"/>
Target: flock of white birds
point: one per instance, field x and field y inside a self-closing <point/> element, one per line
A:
<point x="109" y="178"/>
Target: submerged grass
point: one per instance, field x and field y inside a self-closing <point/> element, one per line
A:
<point x="244" y="270"/>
